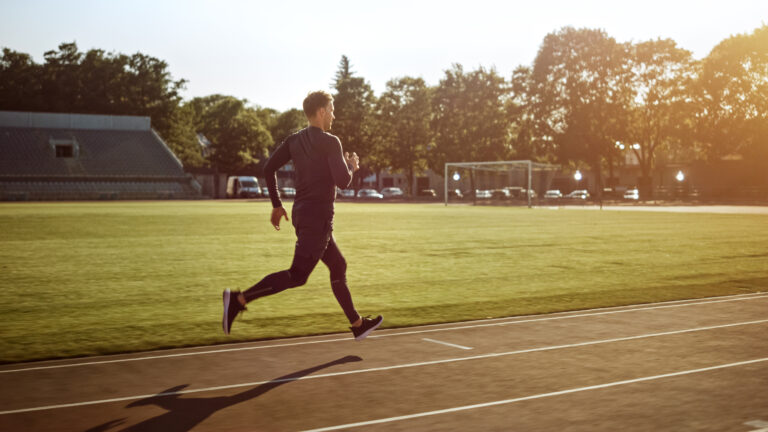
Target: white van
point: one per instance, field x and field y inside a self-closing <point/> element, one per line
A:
<point x="243" y="187"/>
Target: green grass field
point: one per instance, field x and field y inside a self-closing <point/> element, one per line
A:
<point x="107" y="277"/>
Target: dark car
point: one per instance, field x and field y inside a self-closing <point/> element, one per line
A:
<point x="500" y="194"/>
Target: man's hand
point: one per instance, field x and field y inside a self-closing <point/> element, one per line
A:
<point x="352" y="161"/>
<point x="277" y="213"/>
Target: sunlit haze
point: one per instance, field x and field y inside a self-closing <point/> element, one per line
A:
<point x="273" y="53"/>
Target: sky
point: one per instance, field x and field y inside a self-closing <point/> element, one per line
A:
<point x="273" y="53"/>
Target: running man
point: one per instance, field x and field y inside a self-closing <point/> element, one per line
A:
<point x="320" y="165"/>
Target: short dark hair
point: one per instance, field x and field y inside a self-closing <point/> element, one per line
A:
<point x="316" y="100"/>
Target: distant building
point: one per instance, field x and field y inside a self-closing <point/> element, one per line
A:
<point x="45" y="156"/>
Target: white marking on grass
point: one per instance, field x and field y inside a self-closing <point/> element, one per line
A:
<point x="472" y="324"/>
<point x="446" y="343"/>
<point x="537" y="396"/>
<point x="386" y="368"/>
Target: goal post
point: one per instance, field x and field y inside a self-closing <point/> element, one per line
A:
<point x="521" y="180"/>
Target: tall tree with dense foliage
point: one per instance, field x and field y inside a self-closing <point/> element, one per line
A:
<point x="581" y="82"/>
<point x="402" y="116"/>
<point x="526" y="140"/>
<point x="353" y="102"/>
<point x="732" y="98"/>
<point x="286" y="123"/>
<point x="660" y="108"/>
<point x="96" y="82"/>
<point x="238" y="137"/>
<point x="19" y="82"/>
<point x="469" y="120"/>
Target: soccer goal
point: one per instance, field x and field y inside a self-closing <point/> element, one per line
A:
<point x="518" y="182"/>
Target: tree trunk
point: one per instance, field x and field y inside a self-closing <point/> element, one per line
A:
<point x="645" y="182"/>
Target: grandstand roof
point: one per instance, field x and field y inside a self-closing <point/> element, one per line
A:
<point x="73" y="121"/>
<point x="31" y="145"/>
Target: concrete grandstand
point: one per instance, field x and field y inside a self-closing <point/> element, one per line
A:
<point x="46" y="156"/>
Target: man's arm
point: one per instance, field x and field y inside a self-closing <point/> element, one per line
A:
<point x="340" y="169"/>
<point x="280" y="157"/>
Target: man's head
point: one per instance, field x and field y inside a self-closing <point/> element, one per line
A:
<point x="318" y="107"/>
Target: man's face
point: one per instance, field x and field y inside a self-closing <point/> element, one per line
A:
<point x="328" y="116"/>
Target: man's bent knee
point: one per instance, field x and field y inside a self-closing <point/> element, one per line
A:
<point x="299" y="271"/>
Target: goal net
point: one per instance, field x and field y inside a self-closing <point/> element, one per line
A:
<point x="511" y="182"/>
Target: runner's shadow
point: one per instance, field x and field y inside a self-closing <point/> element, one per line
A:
<point x="185" y="413"/>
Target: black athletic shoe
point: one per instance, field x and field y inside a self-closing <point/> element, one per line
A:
<point x="232" y="307"/>
<point x="366" y="327"/>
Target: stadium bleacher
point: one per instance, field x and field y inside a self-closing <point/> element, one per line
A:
<point x="47" y="156"/>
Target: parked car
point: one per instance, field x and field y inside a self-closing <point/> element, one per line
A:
<point x="521" y="193"/>
<point x="392" y="192"/>
<point x="264" y="190"/>
<point x="369" y="194"/>
<point x="502" y="194"/>
<point x="243" y="187"/>
<point x="430" y="193"/>
<point x="578" y="194"/>
<point x="632" y="194"/>
<point x="345" y="193"/>
<point x="288" y="192"/>
<point x="553" y="194"/>
<point x="483" y="194"/>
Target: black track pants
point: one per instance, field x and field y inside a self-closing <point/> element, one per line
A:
<point x="315" y="242"/>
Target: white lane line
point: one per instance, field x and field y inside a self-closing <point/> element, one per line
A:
<point x="538" y="396"/>
<point x="556" y="318"/>
<point x="763" y="425"/>
<point x="475" y="324"/>
<point x="446" y="343"/>
<point x="386" y="368"/>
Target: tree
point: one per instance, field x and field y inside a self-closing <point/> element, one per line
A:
<point x="581" y="83"/>
<point x="239" y="139"/>
<point x="353" y="104"/>
<point x="152" y="90"/>
<point x="731" y="93"/>
<point x="19" y="82"/>
<point x="469" y="120"/>
<point x="287" y="123"/>
<point x="402" y="116"/>
<point x="61" y="85"/>
<point x="659" y="108"/>
<point x="344" y="71"/>
<point x="96" y="82"/>
<point x="526" y="140"/>
<point x="181" y="137"/>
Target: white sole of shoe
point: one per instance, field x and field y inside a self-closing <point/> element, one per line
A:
<point x="227" y="296"/>
<point x="367" y="332"/>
